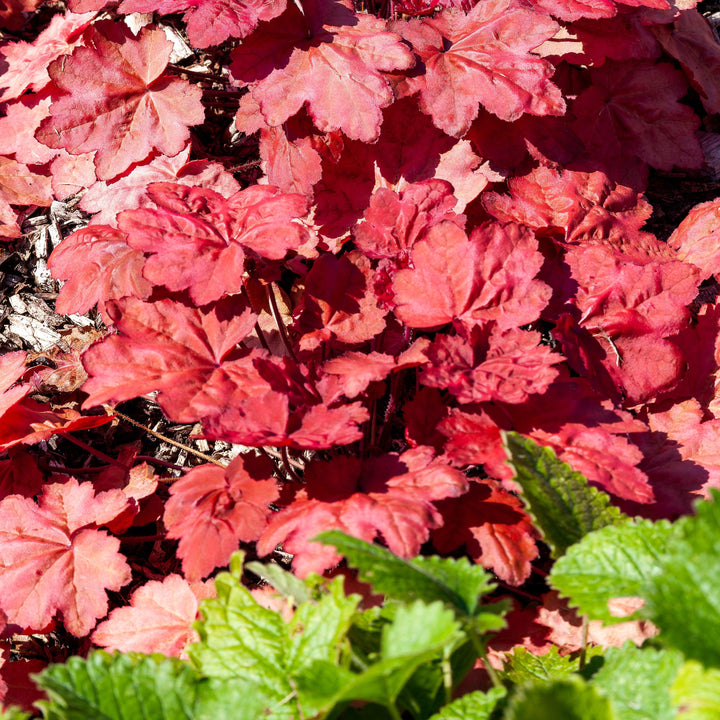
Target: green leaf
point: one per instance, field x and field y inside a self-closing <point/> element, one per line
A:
<point x="570" y="699"/>
<point x="455" y="582"/>
<point x="13" y="713"/>
<point x="562" y="504"/>
<point x="418" y="634"/>
<point x="613" y="562"/>
<point x="522" y="666"/>
<point x="240" y="640"/>
<point x="119" y="687"/>
<point x="683" y="599"/>
<point x="473" y="706"/>
<point x="696" y="692"/>
<point x="637" y="681"/>
<point x="287" y="584"/>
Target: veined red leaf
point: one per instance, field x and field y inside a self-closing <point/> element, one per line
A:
<point x="212" y="509"/>
<point x="27" y="63"/>
<point x="211" y="22"/>
<point x="632" y="109"/>
<point x="197" y="239"/>
<point x="327" y="57"/>
<point x="505" y="367"/>
<point x="186" y="353"/>
<point x="486" y="277"/>
<point x="116" y="101"/>
<point x="494" y="528"/>
<point x="159" y="620"/>
<point x="98" y="265"/>
<point x="391" y="496"/>
<point x="697" y="238"/>
<point x="54" y="559"/>
<point x="482" y="58"/>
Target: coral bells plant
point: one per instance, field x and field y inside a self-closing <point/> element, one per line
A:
<point x="399" y="256"/>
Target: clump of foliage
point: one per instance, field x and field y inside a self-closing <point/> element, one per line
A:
<point x="381" y="248"/>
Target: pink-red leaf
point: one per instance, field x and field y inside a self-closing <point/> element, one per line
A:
<point x="98" y="265"/>
<point x="211" y="22"/>
<point x="389" y="496"/>
<point x="486" y="277"/>
<point x="507" y="367"/>
<point x="632" y="109"/>
<point x="493" y="526"/>
<point x="212" y="509"/>
<point x="159" y="620"/>
<point x="186" y="353"/>
<point x="53" y="559"/>
<point x="697" y="238"/>
<point x="326" y="57"/>
<point x="198" y="239"/>
<point x="482" y="58"/>
<point x="116" y="101"/>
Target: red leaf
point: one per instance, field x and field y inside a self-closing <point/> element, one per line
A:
<point x="17" y="127"/>
<point x="211" y="22"/>
<point x="632" y="109"/>
<point x="506" y="367"/>
<point x="159" y="620"/>
<point x="338" y="302"/>
<point x="20" y="186"/>
<point x="692" y="42"/>
<point x="186" y="353"/>
<point x="131" y="190"/>
<point x="390" y="496"/>
<point x="486" y="277"/>
<point x="115" y="101"/>
<point x="493" y="526"/>
<point x="98" y="265"/>
<point x="618" y="296"/>
<point x="53" y="559"/>
<point x="197" y="238"/>
<point x="211" y="509"/>
<point x="326" y="57"/>
<point x="474" y="439"/>
<point x="482" y="58"/>
<point x="292" y="165"/>
<point x="27" y="63"/>
<point x="607" y="460"/>
<point x="587" y="206"/>
<point x="394" y="222"/>
<point x="697" y="238"/>
<point x="20" y="475"/>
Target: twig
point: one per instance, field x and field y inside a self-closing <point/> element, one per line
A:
<point x="112" y="411"/>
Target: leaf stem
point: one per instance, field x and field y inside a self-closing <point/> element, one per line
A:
<point x="479" y="646"/>
<point x="112" y="411"/>
<point x="279" y="321"/>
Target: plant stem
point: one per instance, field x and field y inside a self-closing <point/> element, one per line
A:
<point x="112" y="411"/>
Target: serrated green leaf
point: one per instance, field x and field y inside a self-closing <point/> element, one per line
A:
<point x="241" y="640"/>
<point x="455" y="582"/>
<point x="473" y="706"/>
<point x="119" y="687"/>
<point x="287" y="584"/>
<point x="522" y="666"/>
<point x="696" y="692"/>
<point x="560" y="501"/>
<point x="570" y="699"/>
<point x="419" y="627"/>
<point x="613" y="562"/>
<point x="637" y="681"/>
<point x="683" y="598"/>
<point x="418" y="634"/>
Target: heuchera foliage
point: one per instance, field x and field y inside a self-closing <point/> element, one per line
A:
<point x="361" y="240"/>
